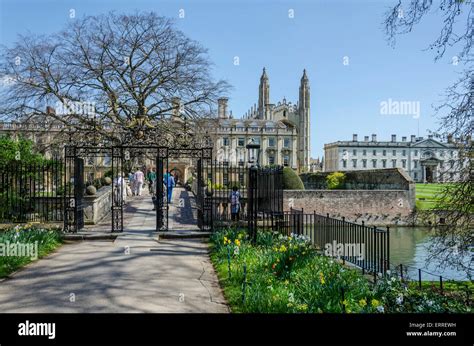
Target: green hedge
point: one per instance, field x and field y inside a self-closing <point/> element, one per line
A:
<point x="291" y="180"/>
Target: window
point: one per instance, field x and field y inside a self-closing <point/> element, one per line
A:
<point x="286" y="160"/>
<point x="415" y="164"/>
<point x="256" y="140"/>
<point x="394" y="152"/>
<point x="225" y="141"/>
<point x="404" y="153"/>
<point x="271" y="141"/>
<point x="107" y="160"/>
<point x="241" y="179"/>
<point x="404" y="163"/>
<point x="416" y="152"/>
<point x="415" y="175"/>
<point x="241" y="142"/>
<point x="364" y="152"/>
<point x="354" y="152"/>
<point x="384" y="163"/>
<point x="364" y="163"/>
<point x="90" y="161"/>
<point x="286" y="143"/>
<point x="394" y="163"/>
<point x="271" y="160"/>
<point x="344" y="163"/>
<point x="374" y="163"/>
<point x="354" y="163"/>
<point x="226" y="179"/>
<point x="384" y="152"/>
<point x="374" y="152"/>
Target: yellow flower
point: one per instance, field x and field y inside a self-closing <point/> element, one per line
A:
<point x="286" y="282"/>
<point x="321" y="278"/>
<point x="237" y="242"/>
<point x="362" y="302"/>
<point x="375" y="303"/>
<point x="283" y="248"/>
<point x="302" y="307"/>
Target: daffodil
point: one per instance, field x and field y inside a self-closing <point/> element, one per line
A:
<point x="362" y="302"/>
<point x="237" y="242"/>
<point x="321" y="278"/>
<point x="375" y="303"/>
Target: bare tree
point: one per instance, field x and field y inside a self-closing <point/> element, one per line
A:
<point x="453" y="243"/>
<point x="105" y="74"/>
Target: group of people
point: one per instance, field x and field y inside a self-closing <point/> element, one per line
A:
<point x="138" y="179"/>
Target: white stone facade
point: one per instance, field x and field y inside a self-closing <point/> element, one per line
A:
<point x="425" y="160"/>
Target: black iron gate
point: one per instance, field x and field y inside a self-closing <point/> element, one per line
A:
<point x="160" y="199"/>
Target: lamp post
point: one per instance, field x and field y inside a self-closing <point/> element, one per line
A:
<point x="253" y="149"/>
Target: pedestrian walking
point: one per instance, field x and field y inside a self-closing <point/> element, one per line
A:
<point x="151" y="176"/>
<point x="170" y="183"/>
<point x="138" y="178"/>
<point x="235" y="203"/>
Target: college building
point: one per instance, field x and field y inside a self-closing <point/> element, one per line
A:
<point x="425" y="160"/>
<point x="281" y="129"/>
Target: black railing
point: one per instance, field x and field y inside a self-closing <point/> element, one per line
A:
<point x="362" y="246"/>
<point x="32" y="192"/>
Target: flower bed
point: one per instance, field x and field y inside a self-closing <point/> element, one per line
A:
<point x="286" y="275"/>
<point x="18" y="239"/>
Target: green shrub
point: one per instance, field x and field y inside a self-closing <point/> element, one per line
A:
<point x="336" y="180"/>
<point x="285" y="274"/>
<point x="291" y="180"/>
<point x="48" y="239"/>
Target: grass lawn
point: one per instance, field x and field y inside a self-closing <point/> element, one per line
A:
<point x="22" y="237"/>
<point x="427" y="195"/>
<point x="282" y="274"/>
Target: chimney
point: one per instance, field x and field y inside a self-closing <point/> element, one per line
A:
<point x="404" y="139"/>
<point x="430" y="136"/>
<point x="354" y="137"/>
<point x="450" y="138"/>
<point x="366" y="138"/>
<point x="222" y="107"/>
<point x="50" y="110"/>
<point x="394" y="138"/>
<point x="413" y="138"/>
<point x="176" y="102"/>
<point x="374" y="137"/>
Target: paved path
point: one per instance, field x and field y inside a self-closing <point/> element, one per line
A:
<point x="133" y="274"/>
<point x="183" y="211"/>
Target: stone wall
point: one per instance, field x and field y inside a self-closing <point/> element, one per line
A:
<point x="374" y="207"/>
<point x="370" y="179"/>
<point x="97" y="206"/>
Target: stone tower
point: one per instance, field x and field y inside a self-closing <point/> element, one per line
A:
<point x="263" y="96"/>
<point x="304" y="125"/>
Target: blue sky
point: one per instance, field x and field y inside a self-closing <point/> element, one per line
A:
<point x="345" y="99"/>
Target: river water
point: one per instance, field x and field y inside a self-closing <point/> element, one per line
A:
<point x="408" y="245"/>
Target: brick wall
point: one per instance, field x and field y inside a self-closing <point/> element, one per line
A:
<point x="374" y="207"/>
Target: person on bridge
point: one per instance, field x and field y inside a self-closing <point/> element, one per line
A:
<point x="138" y="177"/>
<point x="170" y="183"/>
